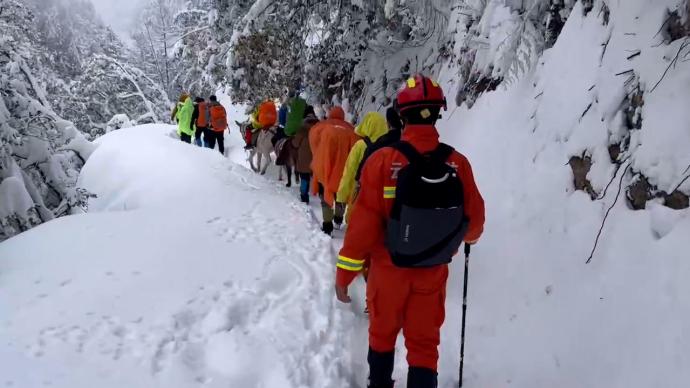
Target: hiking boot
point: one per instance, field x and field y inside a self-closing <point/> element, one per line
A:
<point x="421" y="378"/>
<point x="327" y="228"/>
<point x="380" y="369"/>
<point x="304" y="198"/>
<point x="248" y="147"/>
<point x="338" y="221"/>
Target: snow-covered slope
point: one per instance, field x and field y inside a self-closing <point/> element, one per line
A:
<point x="538" y="315"/>
<point x="188" y="271"/>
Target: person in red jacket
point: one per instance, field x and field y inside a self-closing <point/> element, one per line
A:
<point x="407" y="299"/>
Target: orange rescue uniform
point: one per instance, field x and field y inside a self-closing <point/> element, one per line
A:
<point x="407" y="299"/>
<point x="331" y="141"/>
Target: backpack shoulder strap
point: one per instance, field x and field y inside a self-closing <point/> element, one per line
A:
<point x="368" y="150"/>
<point x="412" y="155"/>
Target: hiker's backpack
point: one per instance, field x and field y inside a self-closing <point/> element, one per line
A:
<point x="219" y="119"/>
<point x="386" y="140"/>
<point x="203" y="119"/>
<point x="267" y="114"/>
<point x="427" y="223"/>
<point x="295" y="117"/>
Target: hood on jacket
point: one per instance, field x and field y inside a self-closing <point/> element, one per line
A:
<point x="188" y="103"/>
<point x="185" y="103"/>
<point x="336" y="113"/>
<point x="373" y="126"/>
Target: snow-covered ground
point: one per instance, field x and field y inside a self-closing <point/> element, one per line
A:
<point x="188" y="271"/>
<point x="538" y="315"/>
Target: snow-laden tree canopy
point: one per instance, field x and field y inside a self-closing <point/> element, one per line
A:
<point x="359" y="51"/>
<point x="63" y="77"/>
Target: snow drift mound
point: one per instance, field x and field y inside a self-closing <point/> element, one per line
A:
<point x="188" y="271"/>
<point x="538" y="315"/>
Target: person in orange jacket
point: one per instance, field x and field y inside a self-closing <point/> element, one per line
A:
<point x="411" y="299"/>
<point x="331" y="141"/>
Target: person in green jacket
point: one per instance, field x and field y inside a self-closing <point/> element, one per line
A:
<point x="185" y="126"/>
<point x="370" y="130"/>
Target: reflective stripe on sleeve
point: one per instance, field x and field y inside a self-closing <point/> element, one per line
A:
<point x="350" y="264"/>
<point x="389" y="192"/>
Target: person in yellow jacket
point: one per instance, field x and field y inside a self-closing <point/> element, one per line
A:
<point x="185" y="122"/>
<point x="370" y="130"/>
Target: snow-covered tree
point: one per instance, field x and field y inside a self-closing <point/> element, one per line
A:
<point x="502" y="40"/>
<point x="202" y="67"/>
<point x="40" y="153"/>
<point x="111" y="87"/>
<point x="334" y="50"/>
<point x="155" y="38"/>
<point x="74" y="63"/>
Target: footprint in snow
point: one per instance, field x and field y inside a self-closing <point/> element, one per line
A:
<point x="214" y="220"/>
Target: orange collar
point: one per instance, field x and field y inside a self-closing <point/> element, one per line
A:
<point x="424" y="138"/>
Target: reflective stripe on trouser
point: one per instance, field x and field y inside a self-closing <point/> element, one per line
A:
<point x="412" y="301"/>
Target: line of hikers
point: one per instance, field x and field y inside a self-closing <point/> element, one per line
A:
<point x="409" y="202"/>
<point x="206" y="122"/>
<point x="325" y="155"/>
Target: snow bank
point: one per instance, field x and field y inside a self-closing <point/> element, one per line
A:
<point x="538" y="316"/>
<point x="189" y="271"/>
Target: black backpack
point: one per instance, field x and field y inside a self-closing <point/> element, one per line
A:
<point x="427" y="223"/>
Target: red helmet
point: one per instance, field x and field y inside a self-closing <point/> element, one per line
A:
<point x="420" y="91"/>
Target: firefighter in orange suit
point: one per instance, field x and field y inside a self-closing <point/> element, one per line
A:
<point x="407" y="299"/>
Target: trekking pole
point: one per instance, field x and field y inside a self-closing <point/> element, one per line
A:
<point x="464" y="311"/>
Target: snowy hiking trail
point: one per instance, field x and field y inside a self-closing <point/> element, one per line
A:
<point x="243" y="300"/>
<point x="190" y="270"/>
